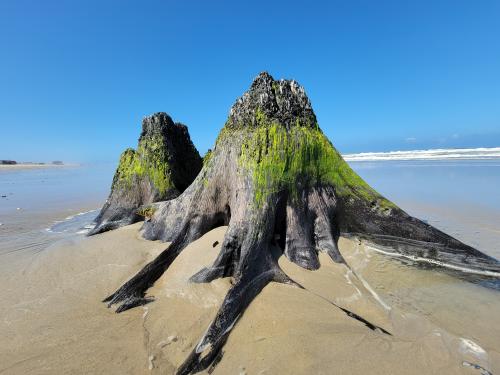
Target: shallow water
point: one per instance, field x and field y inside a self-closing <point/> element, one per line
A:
<point x="79" y="223"/>
<point x="462" y="198"/>
<point x="34" y="200"/>
<point x="424" y="302"/>
<point x="54" y="189"/>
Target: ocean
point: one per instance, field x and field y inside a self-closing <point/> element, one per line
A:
<point x="39" y="206"/>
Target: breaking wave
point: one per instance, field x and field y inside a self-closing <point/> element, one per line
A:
<point x="483" y="153"/>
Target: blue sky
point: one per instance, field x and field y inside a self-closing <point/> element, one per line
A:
<point x="76" y="77"/>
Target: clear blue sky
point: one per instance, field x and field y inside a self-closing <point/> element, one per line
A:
<point x="76" y="77"/>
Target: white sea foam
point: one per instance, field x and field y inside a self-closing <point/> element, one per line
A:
<point x="483" y="153"/>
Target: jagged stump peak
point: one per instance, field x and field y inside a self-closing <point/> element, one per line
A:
<point x="283" y="101"/>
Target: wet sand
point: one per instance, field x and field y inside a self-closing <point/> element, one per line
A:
<point x="52" y="320"/>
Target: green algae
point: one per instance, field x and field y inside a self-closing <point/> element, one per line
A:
<point x="207" y="157"/>
<point x="146" y="212"/>
<point x="276" y="87"/>
<point x="150" y="160"/>
<point x="299" y="157"/>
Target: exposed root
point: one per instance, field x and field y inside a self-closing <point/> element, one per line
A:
<point x="227" y="260"/>
<point x="326" y="231"/>
<point x="108" y="226"/>
<point x="310" y="227"/>
<point x="372" y="326"/>
<point x="131" y="302"/>
<point x="435" y="254"/>
<point x="349" y="313"/>
<point x="246" y="288"/>
<point x="251" y="260"/>
<point x="236" y="301"/>
<point x="131" y="294"/>
<point x="402" y="234"/>
<point x="300" y="246"/>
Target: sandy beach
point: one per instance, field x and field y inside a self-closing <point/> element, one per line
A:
<point x="56" y="323"/>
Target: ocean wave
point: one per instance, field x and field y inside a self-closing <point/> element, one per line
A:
<point x="482" y="153"/>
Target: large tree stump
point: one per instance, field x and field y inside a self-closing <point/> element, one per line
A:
<point x="275" y="179"/>
<point x="163" y="166"/>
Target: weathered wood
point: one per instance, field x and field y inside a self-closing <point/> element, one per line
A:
<point x="276" y="181"/>
<point x="164" y="164"/>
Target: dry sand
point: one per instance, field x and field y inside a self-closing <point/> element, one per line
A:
<point x="52" y="320"/>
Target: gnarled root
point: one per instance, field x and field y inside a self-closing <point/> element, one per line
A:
<point x="131" y="294"/>
<point x="247" y="254"/>
<point x="227" y="260"/>
<point x="299" y="245"/>
<point x="398" y="233"/>
<point x="237" y="300"/>
<point x="311" y="228"/>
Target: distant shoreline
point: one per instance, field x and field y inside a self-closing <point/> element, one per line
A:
<point x="34" y="166"/>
